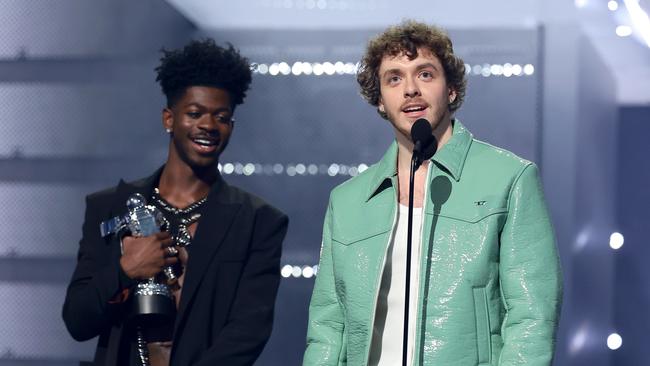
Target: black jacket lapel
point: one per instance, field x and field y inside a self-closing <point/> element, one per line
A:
<point x="211" y="231"/>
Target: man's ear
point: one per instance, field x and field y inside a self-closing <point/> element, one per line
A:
<point x="167" y="119"/>
<point x="452" y="95"/>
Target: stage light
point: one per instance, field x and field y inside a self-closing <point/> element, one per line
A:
<point x="333" y="170"/>
<point x="312" y="169"/>
<point x="612" y="5"/>
<point x="307" y="272"/>
<point x="350" y="68"/>
<point x="286" y="270"/>
<point x="516" y="70"/>
<point x="306" y="68"/>
<point x="291" y="170"/>
<point x="300" y="169"/>
<point x="296" y="69"/>
<point x="580" y="3"/>
<point x="278" y="168"/>
<point x="274" y="69"/>
<point x="362" y="168"/>
<point x="339" y="67"/>
<point x="616" y="240"/>
<point x="529" y="69"/>
<point x="507" y="70"/>
<point x="239" y="168"/>
<point x="318" y="68"/>
<point x="249" y="169"/>
<point x="476" y="70"/>
<point x="614" y="341"/>
<point x="228" y="168"/>
<point x="285" y="69"/>
<point x="485" y="71"/>
<point x="623" y="31"/>
<point x="329" y="68"/>
<point x="263" y="69"/>
<point x="639" y="18"/>
<point x="268" y="169"/>
<point x="321" y="4"/>
<point x="296" y="272"/>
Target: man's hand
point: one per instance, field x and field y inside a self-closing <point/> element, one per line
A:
<point x="144" y="257"/>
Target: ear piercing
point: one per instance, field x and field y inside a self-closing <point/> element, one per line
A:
<point x="168" y="130"/>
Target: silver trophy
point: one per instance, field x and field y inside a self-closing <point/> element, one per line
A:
<point x="153" y="304"/>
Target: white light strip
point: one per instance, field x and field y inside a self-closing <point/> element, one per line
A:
<point x="327" y="68"/>
<point x="291" y="170"/>
<point x="639" y="19"/>
<point x="295" y="271"/>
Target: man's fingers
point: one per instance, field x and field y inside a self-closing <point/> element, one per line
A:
<point x="171" y="261"/>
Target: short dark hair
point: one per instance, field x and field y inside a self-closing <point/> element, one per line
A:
<point x="204" y="63"/>
<point x="406" y="38"/>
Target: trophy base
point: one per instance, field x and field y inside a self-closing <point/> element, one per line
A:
<point x="153" y="304"/>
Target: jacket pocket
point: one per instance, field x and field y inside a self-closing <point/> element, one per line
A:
<point x="483" y="344"/>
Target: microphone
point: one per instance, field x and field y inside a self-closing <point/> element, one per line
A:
<point x="425" y="144"/>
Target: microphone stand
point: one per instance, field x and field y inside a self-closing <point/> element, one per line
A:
<point x="415" y="164"/>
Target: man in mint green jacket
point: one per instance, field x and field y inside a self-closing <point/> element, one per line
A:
<point x="485" y="277"/>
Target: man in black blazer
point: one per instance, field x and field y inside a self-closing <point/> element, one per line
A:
<point x="230" y="270"/>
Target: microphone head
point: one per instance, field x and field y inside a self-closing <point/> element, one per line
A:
<point x="421" y="131"/>
<point x="423" y="139"/>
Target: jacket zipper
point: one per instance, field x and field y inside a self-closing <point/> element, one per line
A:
<point x="378" y="282"/>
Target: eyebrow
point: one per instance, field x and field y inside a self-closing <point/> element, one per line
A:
<point x="201" y="106"/>
<point x="418" y="68"/>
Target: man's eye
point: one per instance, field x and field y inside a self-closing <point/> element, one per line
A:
<point x="194" y="115"/>
<point x="426" y="75"/>
<point x="222" y="118"/>
<point x="393" y="79"/>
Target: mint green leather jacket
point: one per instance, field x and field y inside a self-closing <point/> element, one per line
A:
<point x="490" y="281"/>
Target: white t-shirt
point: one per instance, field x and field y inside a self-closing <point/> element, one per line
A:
<point x="388" y="328"/>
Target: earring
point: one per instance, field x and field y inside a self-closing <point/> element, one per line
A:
<point x="168" y="130"/>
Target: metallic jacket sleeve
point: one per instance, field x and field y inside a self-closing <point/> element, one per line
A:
<point x="530" y="276"/>
<point x="325" y="330"/>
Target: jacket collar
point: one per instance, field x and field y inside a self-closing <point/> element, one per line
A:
<point x="451" y="157"/>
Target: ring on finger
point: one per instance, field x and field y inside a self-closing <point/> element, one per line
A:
<point x="172" y="251"/>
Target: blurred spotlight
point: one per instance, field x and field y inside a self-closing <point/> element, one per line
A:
<point x="286" y="271"/>
<point x="228" y="168"/>
<point x="581" y="3"/>
<point x="249" y="169"/>
<point x="623" y="31"/>
<point x="296" y="69"/>
<point x="339" y="67"/>
<point x="263" y="69"/>
<point x="296" y="272"/>
<point x="329" y="68"/>
<point x="274" y="69"/>
<point x="362" y="168"/>
<point x="507" y="70"/>
<point x="333" y="170"/>
<point x="485" y="71"/>
<point x="301" y="169"/>
<point x="306" y="68"/>
<point x="614" y="341"/>
<point x="317" y="68"/>
<point x="307" y="272"/>
<point x="312" y="169"/>
<point x="476" y="70"/>
<point x="516" y="70"/>
<point x="616" y="240"/>
<point x="278" y="168"/>
<point x="529" y="69"/>
<point x="612" y="5"/>
<point x="285" y="69"/>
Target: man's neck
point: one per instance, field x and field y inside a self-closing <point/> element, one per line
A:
<point x="181" y="185"/>
<point x="442" y="133"/>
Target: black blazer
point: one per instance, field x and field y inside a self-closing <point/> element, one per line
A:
<point x="232" y="276"/>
